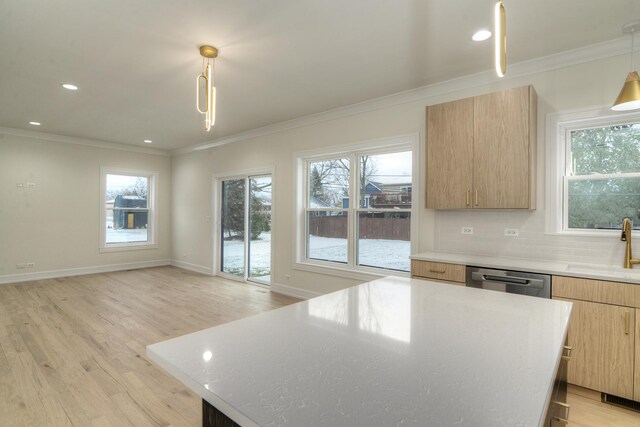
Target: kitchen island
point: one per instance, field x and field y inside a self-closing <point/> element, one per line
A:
<point x="391" y="352"/>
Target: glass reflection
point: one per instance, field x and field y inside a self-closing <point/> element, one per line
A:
<point x="333" y="307"/>
<point x="382" y="309"/>
<point x="385" y="309"/>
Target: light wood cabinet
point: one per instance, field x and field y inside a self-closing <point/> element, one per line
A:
<point x="481" y="151"/>
<point x="636" y="381"/>
<point x="449" y="154"/>
<point x="439" y="271"/>
<point x="602" y="338"/>
<point x="604" y="333"/>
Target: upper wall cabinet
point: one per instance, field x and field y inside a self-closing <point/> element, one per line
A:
<point x="481" y="151"/>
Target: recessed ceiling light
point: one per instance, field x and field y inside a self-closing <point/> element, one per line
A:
<point x="69" y="86"/>
<point x="148" y="141"/>
<point x="481" y="35"/>
<point x="35" y="123"/>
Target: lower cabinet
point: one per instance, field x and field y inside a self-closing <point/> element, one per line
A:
<point x="439" y="271"/>
<point x="604" y="333"/>
<point x="602" y="341"/>
<point x="636" y="388"/>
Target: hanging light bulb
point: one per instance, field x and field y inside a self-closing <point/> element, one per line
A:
<point x="500" y="34"/>
<point x="629" y="97"/>
<point x="210" y="53"/>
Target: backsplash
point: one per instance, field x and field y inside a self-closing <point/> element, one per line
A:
<point x="488" y="238"/>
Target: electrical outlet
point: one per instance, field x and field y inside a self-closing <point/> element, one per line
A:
<point x="511" y="232"/>
<point x="467" y="230"/>
<point x="23" y="265"/>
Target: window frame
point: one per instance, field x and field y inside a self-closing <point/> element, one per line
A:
<point x="152" y="217"/>
<point x="559" y="128"/>
<point x="351" y="269"/>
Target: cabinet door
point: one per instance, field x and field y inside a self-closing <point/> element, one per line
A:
<point x="501" y="154"/>
<point x="450" y="155"/>
<point x="636" y="386"/>
<point x="602" y="337"/>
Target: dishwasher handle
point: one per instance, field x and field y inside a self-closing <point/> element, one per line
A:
<point x="507" y="280"/>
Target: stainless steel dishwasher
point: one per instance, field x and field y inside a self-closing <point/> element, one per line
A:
<point x="515" y="282"/>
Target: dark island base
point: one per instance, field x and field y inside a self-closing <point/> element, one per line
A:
<point x="211" y="417"/>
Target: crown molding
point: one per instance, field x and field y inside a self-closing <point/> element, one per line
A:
<point x="555" y="61"/>
<point x="82" y="141"/>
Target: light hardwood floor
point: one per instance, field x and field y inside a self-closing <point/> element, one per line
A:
<point x="72" y="350"/>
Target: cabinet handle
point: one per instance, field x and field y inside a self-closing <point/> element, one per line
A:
<point x="476" y="197"/>
<point x="568" y="350"/>
<point x="627" y="323"/>
<point x="431" y="270"/>
<point x="564" y="420"/>
<point x="468" y="197"/>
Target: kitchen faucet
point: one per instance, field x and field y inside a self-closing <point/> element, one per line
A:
<point x="626" y="237"/>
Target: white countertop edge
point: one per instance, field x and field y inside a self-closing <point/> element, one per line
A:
<point x="599" y="272"/>
<point x="205" y="394"/>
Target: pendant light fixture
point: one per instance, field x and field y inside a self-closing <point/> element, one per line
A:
<point x="209" y="53"/>
<point x="629" y="98"/>
<point x="500" y="34"/>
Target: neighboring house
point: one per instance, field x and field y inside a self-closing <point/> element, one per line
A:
<point x="124" y="219"/>
<point x="315" y="203"/>
<point x="379" y="195"/>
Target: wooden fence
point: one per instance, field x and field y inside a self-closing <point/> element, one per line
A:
<point x="370" y="228"/>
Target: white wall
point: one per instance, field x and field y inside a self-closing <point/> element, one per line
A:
<point x="577" y="87"/>
<point x="57" y="223"/>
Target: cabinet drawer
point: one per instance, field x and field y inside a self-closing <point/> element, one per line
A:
<point x="616" y="293"/>
<point x="438" y="270"/>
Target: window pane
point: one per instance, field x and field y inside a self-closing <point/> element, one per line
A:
<point x="126" y="208"/>
<point x="603" y="203"/>
<point x="328" y="184"/>
<point x="606" y="150"/>
<point x="233" y="235"/>
<point x="327" y="235"/>
<point x="384" y="239"/>
<point x="385" y="181"/>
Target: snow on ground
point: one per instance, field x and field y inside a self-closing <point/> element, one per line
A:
<point x="126" y="236"/>
<point x="259" y="256"/>
<point x="392" y="254"/>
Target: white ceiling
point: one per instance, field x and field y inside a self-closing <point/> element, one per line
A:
<point x="136" y="61"/>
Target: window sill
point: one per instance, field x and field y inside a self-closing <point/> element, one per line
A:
<point x="128" y="247"/>
<point x="588" y="233"/>
<point x="358" y="273"/>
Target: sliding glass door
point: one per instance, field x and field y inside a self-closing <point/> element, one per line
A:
<point x="245" y="228"/>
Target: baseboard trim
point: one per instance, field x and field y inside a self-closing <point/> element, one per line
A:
<point x="52" y="274"/>
<point x="192" y="267"/>
<point x="293" y="292"/>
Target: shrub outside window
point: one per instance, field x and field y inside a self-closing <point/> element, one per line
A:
<point x="602" y="177"/>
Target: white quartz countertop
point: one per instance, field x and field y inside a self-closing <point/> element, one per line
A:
<point x="589" y="271"/>
<point x="391" y="352"/>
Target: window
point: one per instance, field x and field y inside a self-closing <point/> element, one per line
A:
<point x="601" y="174"/>
<point x="128" y="214"/>
<point x="357" y="209"/>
